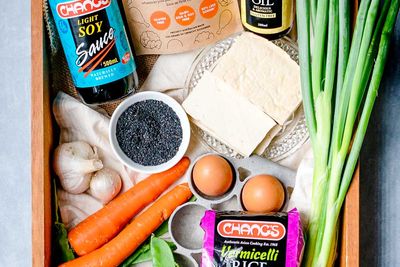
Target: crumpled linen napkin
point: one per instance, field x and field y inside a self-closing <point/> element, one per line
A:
<point x="170" y="72"/>
<point x="301" y="195"/>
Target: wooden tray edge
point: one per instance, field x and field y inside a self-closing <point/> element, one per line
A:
<point x="350" y="237"/>
<point x="350" y="232"/>
<point x="40" y="145"/>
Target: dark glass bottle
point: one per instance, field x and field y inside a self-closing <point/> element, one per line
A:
<point x="109" y="91"/>
<point x="97" y="47"/>
<point x="269" y="18"/>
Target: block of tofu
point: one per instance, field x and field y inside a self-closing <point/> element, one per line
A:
<point x="263" y="73"/>
<point x="221" y="111"/>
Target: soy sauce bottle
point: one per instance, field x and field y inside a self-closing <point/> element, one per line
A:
<point x="269" y="18"/>
<point x="97" y="48"/>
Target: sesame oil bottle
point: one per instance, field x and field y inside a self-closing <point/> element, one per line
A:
<point x="270" y="18"/>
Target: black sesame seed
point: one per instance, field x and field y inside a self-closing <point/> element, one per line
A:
<point x="149" y="132"/>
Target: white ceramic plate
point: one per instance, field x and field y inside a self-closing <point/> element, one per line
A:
<point x="293" y="134"/>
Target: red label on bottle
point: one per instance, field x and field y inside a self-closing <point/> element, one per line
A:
<point x="80" y="7"/>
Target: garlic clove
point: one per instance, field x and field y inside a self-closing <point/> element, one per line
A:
<point x="75" y="208"/>
<point x="105" y="185"/>
<point x="89" y="166"/>
<point x="71" y="216"/>
<point x="74" y="164"/>
<point x="75" y="184"/>
<point x="85" y="202"/>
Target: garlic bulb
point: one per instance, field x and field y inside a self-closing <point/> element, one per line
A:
<point x="74" y="163"/>
<point x="74" y="208"/>
<point x="105" y="185"/>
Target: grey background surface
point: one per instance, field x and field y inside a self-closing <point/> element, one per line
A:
<point x="380" y="173"/>
<point x="15" y="179"/>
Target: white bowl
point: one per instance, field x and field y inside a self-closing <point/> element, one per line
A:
<point x="175" y="107"/>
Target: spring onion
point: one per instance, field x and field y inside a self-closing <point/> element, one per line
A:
<point x="340" y="79"/>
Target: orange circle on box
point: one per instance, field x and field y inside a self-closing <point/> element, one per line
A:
<point x="185" y="15"/>
<point x="208" y="8"/>
<point x="160" y="20"/>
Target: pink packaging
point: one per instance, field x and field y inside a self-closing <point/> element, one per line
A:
<point x="241" y="239"/>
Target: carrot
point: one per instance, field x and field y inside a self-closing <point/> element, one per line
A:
<point x="129" y="239"/>
<point x="102" y="226"/>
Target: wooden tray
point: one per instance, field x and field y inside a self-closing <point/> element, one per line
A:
<point x="42" y="147"/>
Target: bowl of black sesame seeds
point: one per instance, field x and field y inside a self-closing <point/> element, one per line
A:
<point x="149" y="132"/>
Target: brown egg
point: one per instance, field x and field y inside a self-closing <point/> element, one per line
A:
<point x="263" y="193"/>
<point x="212" y="175"/>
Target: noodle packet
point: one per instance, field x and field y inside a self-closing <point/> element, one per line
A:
<point x="241" y="239"/>
<point x="167" y="27"/>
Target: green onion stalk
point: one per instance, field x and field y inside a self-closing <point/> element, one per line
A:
<point x="340" y="80"/>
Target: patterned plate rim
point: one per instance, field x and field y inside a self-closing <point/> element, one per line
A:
<point x="294" y="133"/>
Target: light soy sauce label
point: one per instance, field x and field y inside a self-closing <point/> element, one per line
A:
<point x="94" y="39"/>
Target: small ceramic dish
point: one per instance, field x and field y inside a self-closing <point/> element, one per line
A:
<point x="176" y="107"/>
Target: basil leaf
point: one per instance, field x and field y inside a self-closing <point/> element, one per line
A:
<point x="140" y="255"/>
<point x="162" y="229"/>
<point x="63" y="248"/>
<point x="143" y="254"/>
<point x="61" y="237"/>
<point x="171" y="245"/>
<point x="161" y="253"/>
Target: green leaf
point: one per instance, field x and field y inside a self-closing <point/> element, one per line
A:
<point x="161" y="253"/>
<point x="55" y="200"/>
<point x="171" y="245"/>
<point x="162" y="229"/>
<point x="143" y="254"/>
<point x="61" y="237"/>
<point x="63" y="247"/>
<point x="140" y="255"/>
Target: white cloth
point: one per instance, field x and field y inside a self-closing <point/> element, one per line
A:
<point x="79" y="122"/>
<point x="170" y="72"/>
<point x="301" y="195"/>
